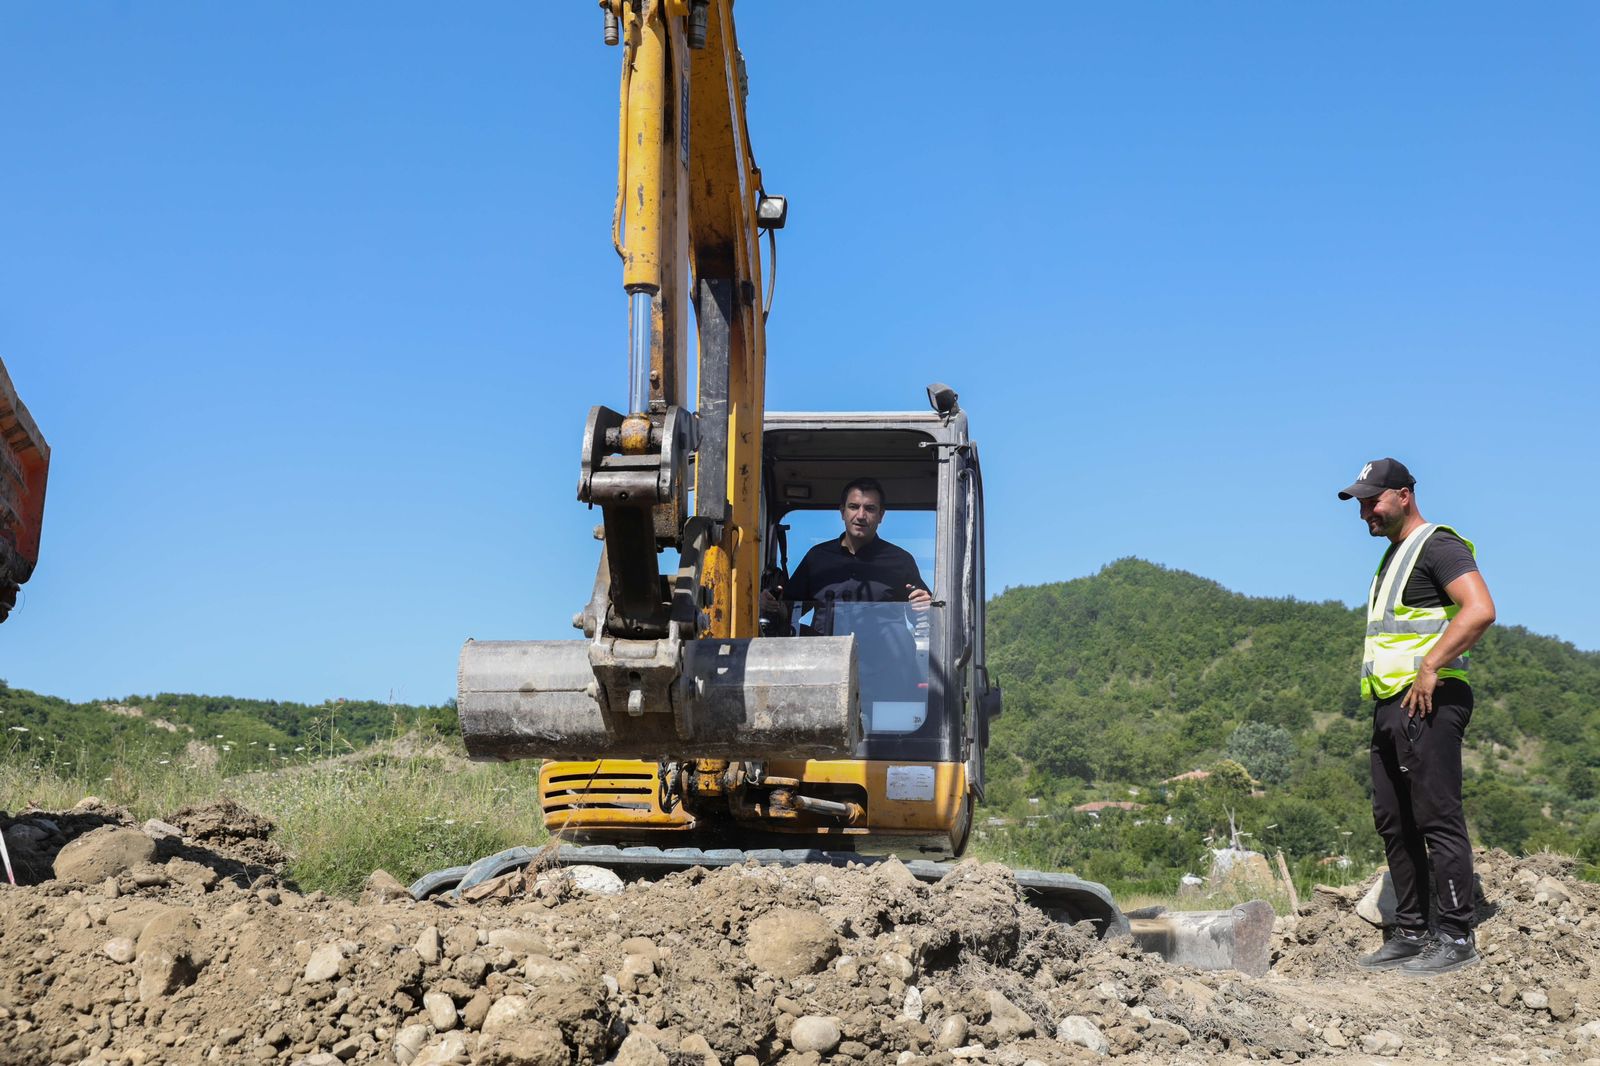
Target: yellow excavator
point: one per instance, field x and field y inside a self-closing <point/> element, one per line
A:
<point x="706" y="728"/>
<point x="24" y="466"/>
<point x="686" y="728"/>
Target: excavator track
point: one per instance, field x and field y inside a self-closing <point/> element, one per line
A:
<point x="1063" y="896"/>
<point x="1239" y="938"/>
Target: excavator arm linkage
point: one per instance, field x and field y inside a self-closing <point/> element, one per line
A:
<point x="672" y="666"/>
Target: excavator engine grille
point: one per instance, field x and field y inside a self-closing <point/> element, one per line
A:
<point x="575" y="795"/>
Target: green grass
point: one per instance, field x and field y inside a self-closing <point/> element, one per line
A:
<point x="398" y="807"/>
<point x="149" y="785"/>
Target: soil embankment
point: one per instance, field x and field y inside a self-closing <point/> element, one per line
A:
<point x="178" y="943"/>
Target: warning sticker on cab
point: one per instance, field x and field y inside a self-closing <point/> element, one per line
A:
<point x="911" y="782"/>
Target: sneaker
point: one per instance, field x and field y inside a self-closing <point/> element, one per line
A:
<point x="1447" y="954"/>
<point x="1396" y="950"/>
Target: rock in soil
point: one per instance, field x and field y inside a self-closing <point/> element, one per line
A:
<point x="102" y="853"/>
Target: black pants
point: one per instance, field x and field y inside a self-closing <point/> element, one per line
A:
<point x="1416" y="805"/>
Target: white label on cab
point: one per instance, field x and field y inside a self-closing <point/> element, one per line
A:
<point x="911" y="782"/>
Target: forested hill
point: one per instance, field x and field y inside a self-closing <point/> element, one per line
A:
<point x="1139" y="673"/>
<point x="236" y="735"/>
<point x="1135" y="672"/>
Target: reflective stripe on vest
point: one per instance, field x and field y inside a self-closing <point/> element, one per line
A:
<point x="1400" y="637"/>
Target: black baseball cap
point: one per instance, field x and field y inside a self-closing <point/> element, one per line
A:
<point x="1376" y="476"/>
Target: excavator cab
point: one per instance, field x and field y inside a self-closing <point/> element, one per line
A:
<point x="923" y="684"/>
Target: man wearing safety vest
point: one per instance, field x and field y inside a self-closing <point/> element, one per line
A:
<point x="1427" y="607"/>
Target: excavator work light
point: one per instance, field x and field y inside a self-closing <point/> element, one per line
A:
<point x="772" y="212"/>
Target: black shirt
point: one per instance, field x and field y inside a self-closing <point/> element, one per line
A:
<point x="1444" y="558"/>
<point x="878" y="573"/>
<point x="830" y="575"/>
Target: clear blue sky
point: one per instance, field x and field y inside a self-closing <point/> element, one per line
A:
<point x="311" y="301"/>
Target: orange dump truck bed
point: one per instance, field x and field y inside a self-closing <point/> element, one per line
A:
<point x="24" y="464"/>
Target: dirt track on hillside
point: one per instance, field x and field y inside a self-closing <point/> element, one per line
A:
<point x="189" y="949"/>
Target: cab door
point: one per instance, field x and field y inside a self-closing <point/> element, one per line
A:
<point x="980" y="697"/>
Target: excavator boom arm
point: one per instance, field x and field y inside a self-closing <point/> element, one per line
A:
<point x="688" y="224"/>
<point x="674" y="666"/>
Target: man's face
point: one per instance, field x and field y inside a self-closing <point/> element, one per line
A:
<point x="1385" y="513"/>
<point x="862" y="511"/>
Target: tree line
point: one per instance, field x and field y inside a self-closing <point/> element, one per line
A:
<point x="240" y="735"/>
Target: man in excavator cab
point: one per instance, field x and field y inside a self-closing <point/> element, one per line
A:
<point x="861" y="584"/>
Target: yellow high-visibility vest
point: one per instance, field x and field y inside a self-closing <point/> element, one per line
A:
<point x="1398" y="636"/>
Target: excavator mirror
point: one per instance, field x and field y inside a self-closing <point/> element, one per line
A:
<point x="943" y="398"/>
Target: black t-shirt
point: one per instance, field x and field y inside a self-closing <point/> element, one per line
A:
<point x="878" y="573"/>
<point x="1444" y="558"/>
<point x="830" y="576"/>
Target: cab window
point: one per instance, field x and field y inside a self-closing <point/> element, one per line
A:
<point x="892" y="639"/>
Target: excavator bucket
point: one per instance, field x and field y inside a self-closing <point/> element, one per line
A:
<point x="766" y="698"/>
<point x="1239" y="938"/>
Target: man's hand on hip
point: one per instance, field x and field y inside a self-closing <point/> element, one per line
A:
<point x="919" y="599"/>
<point x="1419" y="698"/>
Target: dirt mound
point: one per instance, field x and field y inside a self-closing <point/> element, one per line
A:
<point x="1531" y="911"/>
<point x="222" y="836"/>
<point x="189" y="961"/>
<point x="228" y="831"/>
